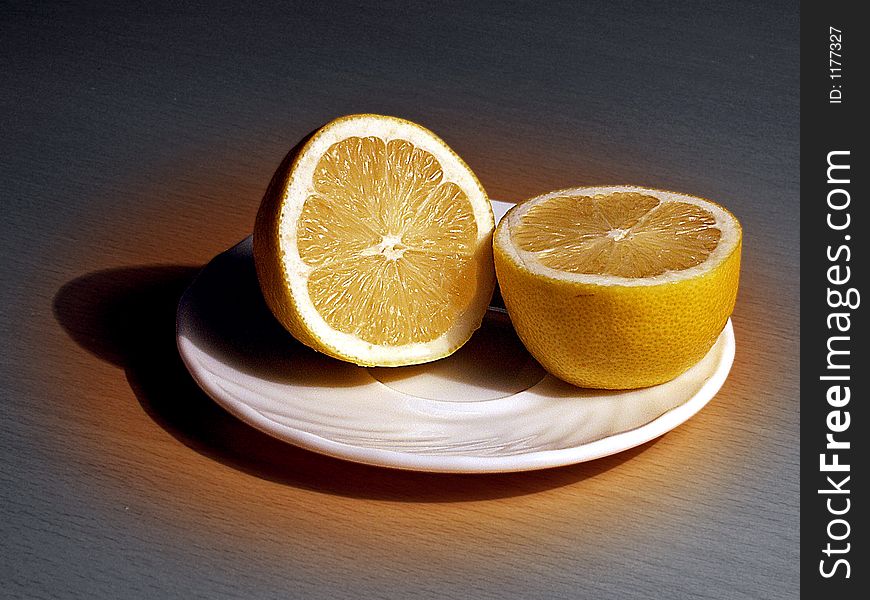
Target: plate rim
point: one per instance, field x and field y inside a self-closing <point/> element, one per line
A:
<point x="457" y="463"/>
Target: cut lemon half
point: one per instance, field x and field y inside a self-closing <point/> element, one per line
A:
<point x="373" y="243"/>
<point x="618" y="287"/>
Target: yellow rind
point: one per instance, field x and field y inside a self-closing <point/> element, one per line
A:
<point x="617" y="336"/>
<point x="270" y="263"/>
<point x="268" y="255"/>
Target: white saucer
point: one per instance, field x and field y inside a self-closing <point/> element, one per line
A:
<point x="488" y="408"/>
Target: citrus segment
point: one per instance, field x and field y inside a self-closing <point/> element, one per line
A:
<point x="626" y="234"/>
<point x="380" y="243"/>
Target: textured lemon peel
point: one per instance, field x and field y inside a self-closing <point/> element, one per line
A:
<point x="614" y="332"/>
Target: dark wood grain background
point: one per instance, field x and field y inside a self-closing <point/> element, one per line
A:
<point x="136" y="145"/>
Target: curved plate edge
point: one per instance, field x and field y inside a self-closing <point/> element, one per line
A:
<point x="542" y="459"/>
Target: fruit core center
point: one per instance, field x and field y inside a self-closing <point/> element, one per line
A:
<point x="390" y="247"/>
<point x="617" y="234"/>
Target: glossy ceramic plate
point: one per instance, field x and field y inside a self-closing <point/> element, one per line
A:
<point x="487" y="408"/>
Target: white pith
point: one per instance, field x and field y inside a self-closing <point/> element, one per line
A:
<point x="724" y="222"/>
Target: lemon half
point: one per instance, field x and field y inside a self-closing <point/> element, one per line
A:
<point x="618" y="287"/>
<point x="374" y="243"/>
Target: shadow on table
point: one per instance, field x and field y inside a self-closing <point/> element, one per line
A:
<point x="126" y="316"/>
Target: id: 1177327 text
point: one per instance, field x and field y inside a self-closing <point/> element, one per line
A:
<point x="835" y="65"/>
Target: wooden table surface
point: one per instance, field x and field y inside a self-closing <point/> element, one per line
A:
<point x="136" y="145"/>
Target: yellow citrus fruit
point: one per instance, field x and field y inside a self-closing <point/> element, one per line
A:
<point x="373" y="244"/>
<point x="618" y="287"/>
